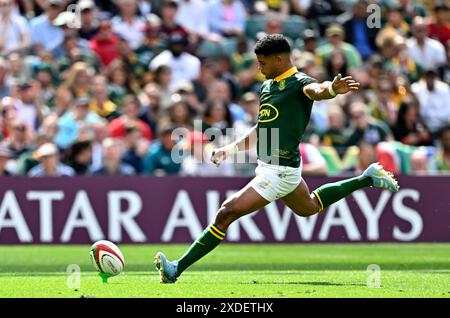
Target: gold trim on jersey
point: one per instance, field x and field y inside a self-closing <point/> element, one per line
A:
<point x="286" y="74"/>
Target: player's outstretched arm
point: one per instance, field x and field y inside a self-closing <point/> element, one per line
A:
<point x="328" y="90"/>
<point x="246" y="142"/>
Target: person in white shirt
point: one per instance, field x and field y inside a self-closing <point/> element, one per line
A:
<point x="434" y="97"/>
<point x="197" y="163"/>
<point x="15" y="34"/>
<point x="193" y="16"/>
<point x="184" y="66"/>
<point x="128" y="25"/>
<point x="425" y="51"/>
<point x="29" y="107"/>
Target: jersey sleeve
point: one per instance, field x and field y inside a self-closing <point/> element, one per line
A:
<point x="302" y="81"/>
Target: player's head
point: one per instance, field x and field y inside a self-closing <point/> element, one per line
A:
<point x="273" y="54"/>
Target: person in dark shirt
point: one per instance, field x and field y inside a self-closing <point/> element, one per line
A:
<point x="112" y="160"/>
<point x="159" y="159"/>
<point x="365" y="127"/>
<point x="409" y="128"/>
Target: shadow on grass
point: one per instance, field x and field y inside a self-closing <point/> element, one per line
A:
<point x="302" y="283"/>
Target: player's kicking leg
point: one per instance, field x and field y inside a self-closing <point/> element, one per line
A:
<point x="241" y="203"/>
<point x="301" y="202"/>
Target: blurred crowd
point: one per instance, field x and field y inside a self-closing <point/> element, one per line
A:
<point x="101" y="87"/>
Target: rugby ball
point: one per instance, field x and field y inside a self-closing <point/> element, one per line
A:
<point x="107" y="258"/>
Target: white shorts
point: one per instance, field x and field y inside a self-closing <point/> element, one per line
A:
<point x="273" y="182"/>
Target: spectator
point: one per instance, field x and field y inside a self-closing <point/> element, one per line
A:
<point x="5" y="155"/>
<point x="323" y="12"/>
<point x="357" y="31"/>
<point x="395" y="24"/>
<point x="197" y="162"/>
<point x="131" y="110"/>
<point x="250" y="104"/>
<point x="204" y="79"/>
<point x="336" y="135"/>
<point x="5" y="83"/>
<point x="29" y="105"/>
<point x="433" y="96"/>
<point x="382" y="106"/>
<point x="74" y="52"/>
<point x="163" y="78"/>
<point x="136" y="147"/>
<point x="367" y="155"/>
<point x="441" y="160"/>
<point x="88" y="24"/>
<point x="136" y="66"/>
<point x="184" y="66"/>
<point x="220" y="89"/>
<point x="313" y="164"/>
<point x="193" y="16"/>
<point x="75" y="121"/>
<point x="15" y="35"/>
<point x="79" y="156"/>
<point x="27" y="160"/>
<point x="49" y="164"/>
<point x="336" y="64"/>
<point x="426" y="52"/>
<point x="216" y="119"/>
<point x="170" y="26"/>
<point x="419" y="162"/>
<point x="179" y="114"/>
<point x="105" y="43"/>
<point x="45" y="81"/>
<point x="150" y="99"/>
<point x="335" y="37"/>
<point x="409" y="127"/>
<point x="120" y="83"/>
<point x="100" y="133"/>
<point x="227" y="17"/>
<point x="309" y="37"/>
<point x="160" y="159"/>
<point x="100" y="104"/>
<point x="366" y="128"/>
<point x="79" y="79"/>
<point x="19" y="140"/>
<point x="439" y="28"/>
<point x="128" y="24"/>
<point x="445" y="70"/>
<point x="112" y="160"/>
<point x="8" y="115"/>
<point x="43" y="33"/>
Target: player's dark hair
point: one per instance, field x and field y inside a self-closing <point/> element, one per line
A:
<point x="272" y="44"/>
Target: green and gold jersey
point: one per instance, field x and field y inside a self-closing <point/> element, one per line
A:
<point x="284" y="113"/>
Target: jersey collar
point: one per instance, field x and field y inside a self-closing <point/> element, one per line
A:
<point x="286" y="74"/>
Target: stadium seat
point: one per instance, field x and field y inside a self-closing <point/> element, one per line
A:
<point x="294" y="26"/>
<point x="255" y="24"/>
<point x="226" y="46"/>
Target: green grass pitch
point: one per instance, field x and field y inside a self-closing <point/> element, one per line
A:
<point x="258" y="270"/>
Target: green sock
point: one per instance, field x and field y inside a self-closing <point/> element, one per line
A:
<point x="333" y="192"/>
<point x="206" y="242"/>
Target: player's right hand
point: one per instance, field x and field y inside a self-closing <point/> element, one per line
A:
<point x="219" y="155"/>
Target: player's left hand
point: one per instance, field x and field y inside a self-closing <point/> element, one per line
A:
<point x="342" y="85"/>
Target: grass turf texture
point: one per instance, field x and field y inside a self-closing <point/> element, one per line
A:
<point x="407" y="270"/>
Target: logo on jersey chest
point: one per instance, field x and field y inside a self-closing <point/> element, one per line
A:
<point x="282" y="85"/>
<point x="267" y="113"/>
